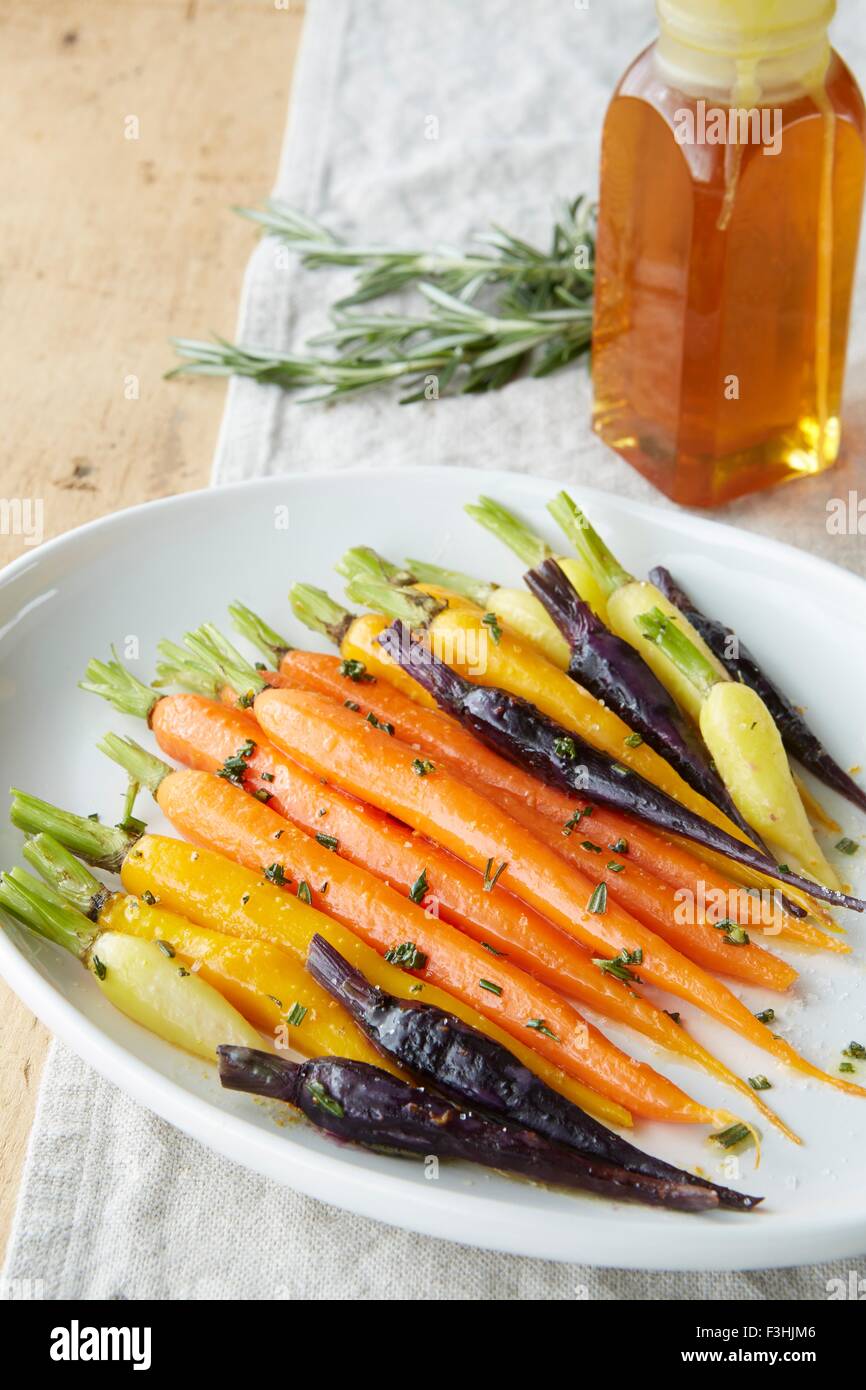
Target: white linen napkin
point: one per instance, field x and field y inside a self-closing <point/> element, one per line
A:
<point x="513" y="96"/>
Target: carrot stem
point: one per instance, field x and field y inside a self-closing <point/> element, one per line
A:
<point x="105" y="846"/>
<point x="45" y="913"/>
<point x="254" y="628"/>
<point x="506" y="527"/>
<point x="318" y="611"/>
<point x="114" y="683"/>
<point x="606" y="570"/>
<point x="478" y="591"/>
<point x="66" y="874"/>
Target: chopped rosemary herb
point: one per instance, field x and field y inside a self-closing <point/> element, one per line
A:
<point x="246" y="701"/>
<point x="234" y="767"/>
<point x="574" y="821"/>
<point x="275" y="873"/>
<point x="734" y="934"/>
<point x="619" y="769"/>
<point x="274" y="1000"/>
<point x="407" y="956"/>
<point x="267" y="777"/>
<point x="490" y="878"/>
<point x="614" y="867"/>
<point x="588" y="844"/>
<point x="304" y="892"/>
<point x="350" y="704"/>
<point x="846" y="846"/>
<point x="182" y="971"/>
<point x="379" y="723"/>
<point x="262" y="794"/>
<point x="618" y="965"/>
<point x="100" y="971"/>
<point x="760" y="1083"/>
<point x="737" y="936"/>
<point x="418" y="891"/>
<point x="732" y="1136"/>
<point x="166" y="948"/>
<point x="766" y="1016"/>
<point x="598" y="900"/>
<point x="619" y="846"/>
<point x="148" y="897"/>
<point x="491" y="623"/>
<point x="541" y="1027"/>
<point x="492" y="949"/>
<point x="673" y="1014"/>
<point x="634" y="740"/>
<point x="421" y="766"/>
<point x="355" y="670"/>
<point x="296" y="1015"/>
<point x="321" y="1097"/>
<point x="327" y="841"/>
<point x="245" y="899"/>
<point x="855" y="1049"/>
<point x="565" y="747"/>
<point x="846" y="1066"/>
<point x="489" y="985"/>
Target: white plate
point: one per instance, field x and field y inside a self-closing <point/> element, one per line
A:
<point x="160" y="569"/>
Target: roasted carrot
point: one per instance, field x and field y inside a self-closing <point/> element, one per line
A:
<point x="359" y="758"/>
<point x="464" y="637"/>
<point x="212" y="812"/>
<point x="191" y="731"/>
<point x="438" y="736"/>
<point x="384" y="848"/>
<point x="226" y="898"/>
<point x="658" y="906"/>
<point x="268" y="987"/>
<point x="208" y="736"/>
<point x="197" y="733"/>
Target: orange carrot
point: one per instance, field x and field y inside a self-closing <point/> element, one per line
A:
<point x="196" y="732"/>
<point x="212" y="812"/>
<point x="654" y="903"/>
<point x="334" y="741"/>
<point x="438" y="735"/>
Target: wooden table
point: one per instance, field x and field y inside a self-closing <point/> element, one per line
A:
<point x="128" y="132"/>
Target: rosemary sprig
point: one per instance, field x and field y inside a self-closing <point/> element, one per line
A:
<point x="454" y="345"/>
<point x="501" y="257"/>
<point x="540" y="320"/>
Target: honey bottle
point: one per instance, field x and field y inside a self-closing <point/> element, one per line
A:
<point x="732" y="176"/>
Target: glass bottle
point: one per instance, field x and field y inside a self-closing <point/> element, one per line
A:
<point x="732" y="177"/>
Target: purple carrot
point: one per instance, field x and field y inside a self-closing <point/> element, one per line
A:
<point x="471" y="1068"/>
<point x="519" y="731"/>
<point x="742" y="665"/>
<point x="361" y="1104"/>
<point x="618" y="675"/>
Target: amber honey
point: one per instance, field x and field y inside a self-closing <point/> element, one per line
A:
<point x="724" y="273"/>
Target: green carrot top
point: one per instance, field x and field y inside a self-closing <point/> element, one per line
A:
<point x="679" y="649"/>
<point x="602" y="564"/>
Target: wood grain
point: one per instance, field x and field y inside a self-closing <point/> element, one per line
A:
<point x="127" y="132"/>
